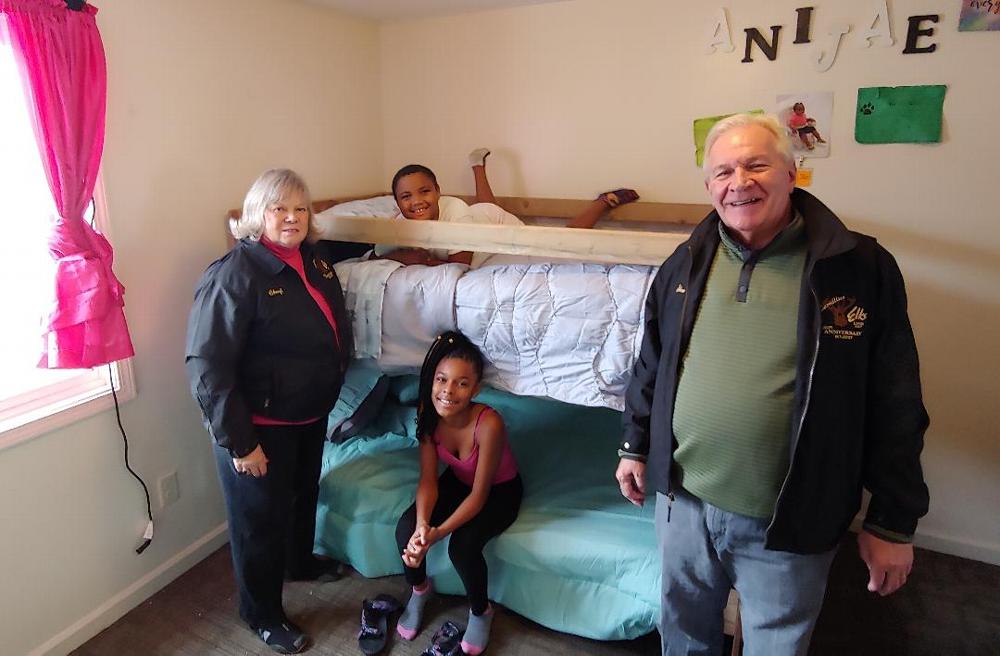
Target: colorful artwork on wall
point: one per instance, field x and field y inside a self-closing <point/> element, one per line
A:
<point x="979" y="15"/>
<point x="701" y="128"/>
<point x="809" y="119"/>
<point x="899" y="114"/>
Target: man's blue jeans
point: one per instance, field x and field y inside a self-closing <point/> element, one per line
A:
<point x="706" y="551"/>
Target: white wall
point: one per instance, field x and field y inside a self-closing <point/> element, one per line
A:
<point x="578" y="97"/>
<point x="203" y="96"/>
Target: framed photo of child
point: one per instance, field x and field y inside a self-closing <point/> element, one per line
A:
<point x="809" y="119"/>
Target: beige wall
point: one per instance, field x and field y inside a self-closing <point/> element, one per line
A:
<point x="578" y="97"/>
<point x="203" y="96"/>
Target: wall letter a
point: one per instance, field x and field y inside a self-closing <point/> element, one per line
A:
<point x="718" y="34"/>
<point x="770" y="50"/>
<point x="880" y="28"/>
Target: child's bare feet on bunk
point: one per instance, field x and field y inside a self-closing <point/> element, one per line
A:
<point x="478" y="157"/>
<point x="618" y="197"/>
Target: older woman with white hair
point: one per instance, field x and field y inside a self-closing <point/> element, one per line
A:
<point x="268" y="342"/>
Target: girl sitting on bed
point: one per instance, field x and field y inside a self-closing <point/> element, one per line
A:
<point x="476" y="498"/>
<point x="419" y="198"/>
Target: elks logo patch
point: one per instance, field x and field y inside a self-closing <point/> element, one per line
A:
<point x="847" y="317"/>
<point x="325" y="269"/>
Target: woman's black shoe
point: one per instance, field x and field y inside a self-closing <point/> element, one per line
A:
<point x="284" y="638"/>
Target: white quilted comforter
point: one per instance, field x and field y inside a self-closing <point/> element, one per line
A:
<point x="569" y="331"/>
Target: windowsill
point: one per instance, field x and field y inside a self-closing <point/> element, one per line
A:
<point x="69" y="411"/>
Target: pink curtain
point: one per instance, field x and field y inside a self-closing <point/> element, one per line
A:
<point x="61" y="56"/>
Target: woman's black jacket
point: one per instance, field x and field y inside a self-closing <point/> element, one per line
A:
<point x="257" y="342"/>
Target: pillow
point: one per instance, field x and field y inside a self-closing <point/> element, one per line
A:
<point x="361" y="397"/>
<point x="383" y="207"/>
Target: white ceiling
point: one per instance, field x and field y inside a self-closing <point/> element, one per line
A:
<point x="385" y="10"/>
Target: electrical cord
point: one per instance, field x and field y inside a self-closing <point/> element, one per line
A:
<point x="147" y="536"/>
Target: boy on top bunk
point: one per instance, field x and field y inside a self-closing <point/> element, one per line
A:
<point x="419" y="198"/>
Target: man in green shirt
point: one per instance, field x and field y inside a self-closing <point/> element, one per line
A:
<point x="777" y="378"/>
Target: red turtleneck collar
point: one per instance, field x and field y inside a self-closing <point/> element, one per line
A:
<point x="284" y="253"/>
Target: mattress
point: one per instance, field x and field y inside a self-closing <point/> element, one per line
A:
<point x="579" y="558"/>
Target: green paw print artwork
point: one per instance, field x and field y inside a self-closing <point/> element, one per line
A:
<point x="887" y="115"/>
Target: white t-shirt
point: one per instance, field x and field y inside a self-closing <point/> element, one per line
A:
<point x="456" y="210"/>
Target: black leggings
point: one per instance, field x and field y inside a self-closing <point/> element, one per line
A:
<point x="465" y="547"/>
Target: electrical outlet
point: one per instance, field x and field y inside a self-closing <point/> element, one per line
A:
<point x="169" y="490"/>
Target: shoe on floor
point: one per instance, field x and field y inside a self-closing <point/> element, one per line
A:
<point x="284" y="638"/>
<point x="446" y="641"/>
<point x="374" y="622"/>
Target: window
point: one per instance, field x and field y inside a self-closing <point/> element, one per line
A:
<point x="32" y="400"/>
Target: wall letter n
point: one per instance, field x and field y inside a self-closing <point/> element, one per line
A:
<point x="770" y="50"/>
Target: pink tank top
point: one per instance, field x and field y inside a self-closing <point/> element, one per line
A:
<point x="465" y="470"/>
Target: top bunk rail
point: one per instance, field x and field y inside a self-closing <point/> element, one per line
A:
<point x="672" y="223"/>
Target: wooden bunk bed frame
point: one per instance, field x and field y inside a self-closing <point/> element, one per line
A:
<point x="673" y="223"/>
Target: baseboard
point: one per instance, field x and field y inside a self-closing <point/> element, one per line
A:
<point x="114" y="608"/>
<point x="984" y="552"/>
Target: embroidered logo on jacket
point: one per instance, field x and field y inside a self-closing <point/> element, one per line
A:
<point x="847" y="318"/>
<point x="276" y="291"/>
<point x="325" y="269"/>
<point x="680" y="289"/>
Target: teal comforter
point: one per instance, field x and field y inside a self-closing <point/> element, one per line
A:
<point x="579" y="558"/>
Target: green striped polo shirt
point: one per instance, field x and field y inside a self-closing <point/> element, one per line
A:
<point x="732" y="414"/>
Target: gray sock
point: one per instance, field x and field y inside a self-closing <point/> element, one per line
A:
<point x="409" y="622"/>
<point x="478" y="157"/>
<point x="477" y="635"/>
